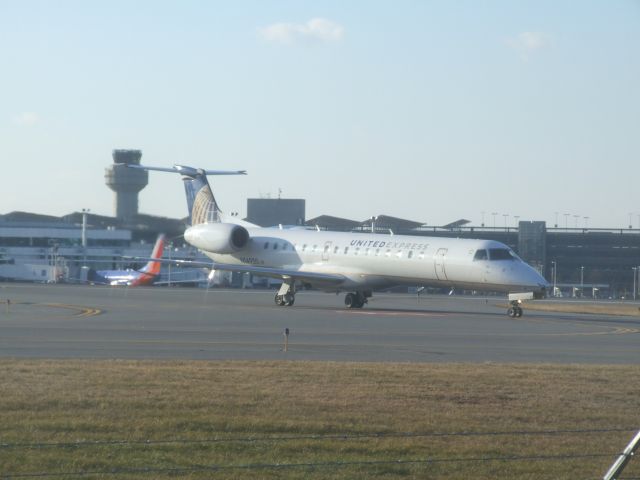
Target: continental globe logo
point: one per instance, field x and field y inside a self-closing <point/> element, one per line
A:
<point x="205" y="209"/>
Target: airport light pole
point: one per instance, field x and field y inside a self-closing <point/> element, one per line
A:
<point x="516" y="217"/>
<point x="494" y="219"/>
<point x="566" y="220"/>
<point x="170" y="245"/>
<point x="635" y="270"/>
<point x="555" y="268"/>
<point x="482" y="224"/>
<point x="556" y="224"/>
<point x="85" y="211"/>
<point x="581" y="282"/>
<point x="576" y="218"/>
<point x="505" y="215"/>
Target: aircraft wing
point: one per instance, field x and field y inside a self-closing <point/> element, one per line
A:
<point x="284" y="273"/>
<point x="261" y="271"/>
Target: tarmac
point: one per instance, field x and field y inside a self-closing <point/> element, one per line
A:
<point x="99" y="322"/>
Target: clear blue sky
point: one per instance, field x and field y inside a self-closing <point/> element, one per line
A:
<point x="428" y="110"/>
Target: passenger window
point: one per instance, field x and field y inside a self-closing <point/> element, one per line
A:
<point x="356" y="251"/>
<point x="335" y="249"/>
<point x="275" y="246"/>
<point x="377" y="252"/>
<point x="480" y="255"/>
<point x="266" y="245"/>
<point x="366" y="252"/>
<point x="346" y="250"/>
<point x="326" y="248"/>
<point x="314" y="248"/>
<point x="399" y="254"/>
<point x="410" y="254"/>
<point x="388" y="253"/>
<point x="304" y="247"/>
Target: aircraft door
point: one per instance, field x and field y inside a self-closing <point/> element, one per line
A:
<point x="326" y="251"/>
<point x="438" y="262"/>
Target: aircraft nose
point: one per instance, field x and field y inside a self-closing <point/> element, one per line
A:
<point x="537" y="279"/>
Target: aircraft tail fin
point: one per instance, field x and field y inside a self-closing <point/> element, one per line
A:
<point x="201" y="203"/>
<point x="153" y="268"/>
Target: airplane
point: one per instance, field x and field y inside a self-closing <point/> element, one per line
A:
<point x="129" y="277"/>
<point x="355" y="263"/>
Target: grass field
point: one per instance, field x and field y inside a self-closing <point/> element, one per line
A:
<point x="143" y="419"/>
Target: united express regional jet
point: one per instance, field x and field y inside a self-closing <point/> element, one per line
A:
<point x="356" y="263"/>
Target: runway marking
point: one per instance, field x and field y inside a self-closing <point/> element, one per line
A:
<point x="615" y="331"/>
<point x="610" y="329"/>
<point x="82" y="311"/>
<point x="391" y="314"/>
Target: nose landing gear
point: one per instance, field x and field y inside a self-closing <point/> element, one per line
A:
<point x="515" y="310"/>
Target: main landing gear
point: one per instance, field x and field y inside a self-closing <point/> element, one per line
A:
<point x="515" y="310"/>
<point x="357" y="299"/>
<point x="286" y="296"/>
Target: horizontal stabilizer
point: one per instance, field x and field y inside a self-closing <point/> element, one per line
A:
<point x="188" y="171"/>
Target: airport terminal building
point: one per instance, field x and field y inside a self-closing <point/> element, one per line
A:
<point x="589" y="262"/>
<point x="581" y="262"/>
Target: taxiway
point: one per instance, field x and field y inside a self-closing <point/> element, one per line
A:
<point x="65" y="321"/>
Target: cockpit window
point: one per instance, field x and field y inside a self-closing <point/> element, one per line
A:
<point x="480" y="255"/>
<point x="501" y="254"/>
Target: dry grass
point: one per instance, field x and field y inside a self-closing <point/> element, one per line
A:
<point x="71" y="401"/>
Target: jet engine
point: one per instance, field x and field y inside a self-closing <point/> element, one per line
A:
<point x="217" y="237"/>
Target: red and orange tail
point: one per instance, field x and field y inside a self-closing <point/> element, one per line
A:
<point x="153" y="268"/>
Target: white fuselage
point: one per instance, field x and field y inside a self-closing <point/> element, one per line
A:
<point x="382" y="260"/>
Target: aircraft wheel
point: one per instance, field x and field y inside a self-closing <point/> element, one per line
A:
<point x="350" y="300"/>
<point x="279" y="300"/>
<point x="288" y="299"/>
<point x="511" y="312"/>
<point x="519" y="312"/>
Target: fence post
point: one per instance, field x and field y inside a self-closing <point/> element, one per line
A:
<point x="621" y="462"/>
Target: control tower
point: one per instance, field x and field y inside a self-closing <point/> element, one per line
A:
<point x="126" y="182"/>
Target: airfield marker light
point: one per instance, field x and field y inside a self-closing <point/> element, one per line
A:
<point x="8" y="305"/>
<point x="286" y="339"/>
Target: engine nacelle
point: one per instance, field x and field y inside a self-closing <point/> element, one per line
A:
<point x="217" y="237"/>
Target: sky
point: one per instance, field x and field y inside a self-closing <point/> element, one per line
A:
<point x="426" y="110"/>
